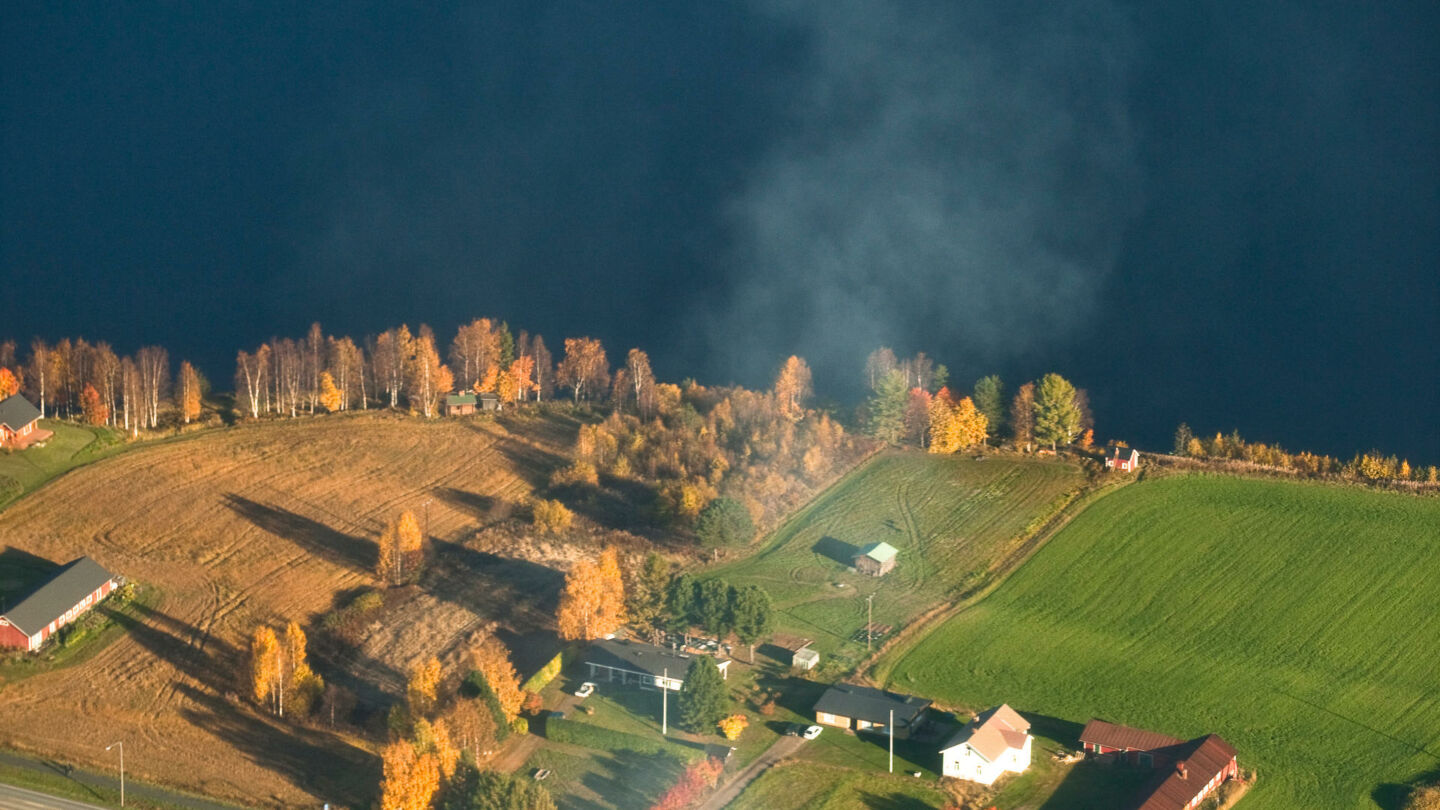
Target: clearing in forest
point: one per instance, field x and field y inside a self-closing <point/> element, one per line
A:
<point x="1296" y="620"/>
<point x="950" y="517"/>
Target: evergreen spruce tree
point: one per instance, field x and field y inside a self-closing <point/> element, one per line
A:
<point x="703" y="701"/>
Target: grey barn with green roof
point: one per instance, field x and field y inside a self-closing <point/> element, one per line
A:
<point x="74" y="590"/>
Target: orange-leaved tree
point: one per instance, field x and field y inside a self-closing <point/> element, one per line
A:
<point x="331" y="398"/>
<point x="400" y="549"/>
<point x="584" y="370"/>
<point x="92" y="407"/>
<point x="492" y="658"/>
<point x="189" y="383"/>
<point x="9" y="384"/>
<point x="793" y="386"/>
<point x="411" y="779"/>
<point x="611" y="613"/>
<point x="580" y="602"/>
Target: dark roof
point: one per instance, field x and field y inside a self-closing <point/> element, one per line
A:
<point x="73" y="583"/>
<point x="1119" y="451"/>
<point x="460" y="399"/>
<point x="490" y="396"/>
<point x="17" y="412"/>
<point x="1203" y="758"/>
<point x="638" y="657"/>
<point x="869" y="704"/>
<point x="1112" y="735"/>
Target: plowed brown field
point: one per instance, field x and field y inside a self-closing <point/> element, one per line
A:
<point x="268" y="522"/>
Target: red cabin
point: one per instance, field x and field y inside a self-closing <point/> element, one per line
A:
<point x="1120" y="457"/>
<point x="18" y="428"/>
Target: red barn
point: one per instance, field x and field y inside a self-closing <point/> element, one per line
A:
<point x="1120" y="457"/>
<point x="78" y="587"/>
<point x="18" y="428"/>
<point x="1186" y="771"/>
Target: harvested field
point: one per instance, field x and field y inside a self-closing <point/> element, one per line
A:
<point x="265" y="523"/>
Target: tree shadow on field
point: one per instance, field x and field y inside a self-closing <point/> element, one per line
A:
<point x="335" y="546"/>
<point x="520" y="593"/>
<point x="1392" y="796"/>
<point x="836" y="549"/>
<point x="893" y="801"/>
<point x="184" y="646"/>
<point x="481" y="507"/>
<point x="313" y="761"/>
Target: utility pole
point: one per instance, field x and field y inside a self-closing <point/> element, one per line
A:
<point x="427" y="518"/>
<point x="869" y="619"/>
<point x="664" y="701"/>
<point x="122" y="769"/>
<point x="891" y="730"/>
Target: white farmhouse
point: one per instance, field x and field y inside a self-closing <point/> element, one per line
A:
<point x="993" y="743"/>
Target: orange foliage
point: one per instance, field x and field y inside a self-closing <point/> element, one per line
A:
<point x="410" y="779"/>
<point x="698" y="777"/>
<point x="9" y="384"/>
<point x="492" y="658"/>
<point x="424" y="681"/>
<point x="92" y="406"/>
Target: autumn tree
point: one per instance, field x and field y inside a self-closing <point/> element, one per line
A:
<point x="733" y="726"/>
<point x="954" y="425"/>
<point x="880" y="363"/>
<point x="41" y="374"/>
<point x="611" y="615"/>
<point x="347" y="371"/>
<point x="793" y="386"/>
<point x="587" y="610"/>
<point x="92" y="407"/>
<point x="584" y="369"/>
<point x="990" y="400"/>
<point x="410" y="779"/>
<point x="332" y="398"/>
<point x="491" y="658"/>
<point x="427" y="379"/>
<point x="642" y="381"/>
<point x="420" y="689"/>
<point x="1057" y="418"/>
<point x="544" y="368"/>
<point x="9" y="384"/>
<point x="305" y="687"/>
<point x="473" y="727"/>
<point x="703" y="700"/>
<point x="475" y="349"/>
<point x="1022" y="416"/>
<point x="265" y="666"/>
<point x="473" y="789"/>
<point x="550" y="517"/>
<point x="391" y="358"/>
<point x="401" y="549"/>
<point x="917" y="417"/>
<point x="251" y="381"/>
<point x="1183" y="435"/>
<point x="189" y="393"/>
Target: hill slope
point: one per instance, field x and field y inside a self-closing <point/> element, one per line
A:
<point x="1296" y="620"/>
<point x="263" y="522"/>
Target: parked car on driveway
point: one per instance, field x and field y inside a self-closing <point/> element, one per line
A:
<point x="812" y="732"/>
<point x="541" y="774"/>
<point x="586" y="689"/>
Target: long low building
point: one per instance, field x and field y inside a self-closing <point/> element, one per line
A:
<point x="75" y="589"/>
<point x="864" y="708"/>
<point x="644" y="665"/>
<point x="1186" y="771"/>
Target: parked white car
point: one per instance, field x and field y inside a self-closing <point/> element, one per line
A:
<point x="811" y="732"/>
<point x="586" y="690"/>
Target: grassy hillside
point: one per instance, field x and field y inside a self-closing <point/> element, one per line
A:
<point x="950" y="517"/>
<point x="1298" y="621"/>
<point x="265" y="523"/>
<point x="72" y="445"/>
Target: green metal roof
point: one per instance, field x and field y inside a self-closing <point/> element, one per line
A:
<point x="460" y="399"/>
<point x="879" y="552"/>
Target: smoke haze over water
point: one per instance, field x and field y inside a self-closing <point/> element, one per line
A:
<point x="953" y="176"/>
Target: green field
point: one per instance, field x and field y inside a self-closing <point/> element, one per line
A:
<point x="1299" y="621"/>
<point x="71" y="446"/>
<point x="950" y="517"/>
<point x="796" y="787"/>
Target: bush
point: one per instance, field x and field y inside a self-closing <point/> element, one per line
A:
<point x="547" y="673"/>
<point x="475" y="687"/>
<point x="550" y="517"/>
<point x="581" y="472"/>
<point x="519" y="726"/>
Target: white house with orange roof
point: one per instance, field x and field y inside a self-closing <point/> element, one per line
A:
<point x="996" y="742"/>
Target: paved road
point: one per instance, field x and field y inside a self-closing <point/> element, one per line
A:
<point x="14" y="798"/>
<point x="782" y="748"/>
<point x="101" y="780"/>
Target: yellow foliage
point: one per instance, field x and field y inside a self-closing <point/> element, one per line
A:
<point x="424" y="680"/>
<point x="550" y="517"/>
<point x="330" y="397"/>
<point x="410" y="779"/>
<point x="264" y="663"/>
<point x="492" y="658"/>
<point x="733" y="726"/>
<point x="611" y="615"/>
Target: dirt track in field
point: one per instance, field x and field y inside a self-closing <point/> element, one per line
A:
<point x="266" y="522"/>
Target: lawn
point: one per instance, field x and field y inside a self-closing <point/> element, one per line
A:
<point x="813" y="787"/>
<point x="72" y="445"/>
<point x="951" y="518"/>
<point x="1296" y="620"/>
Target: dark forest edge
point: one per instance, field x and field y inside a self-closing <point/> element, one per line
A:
<point x="700" y="428"/>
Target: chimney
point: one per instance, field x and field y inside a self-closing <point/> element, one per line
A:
<point x="1180" y="769"/>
